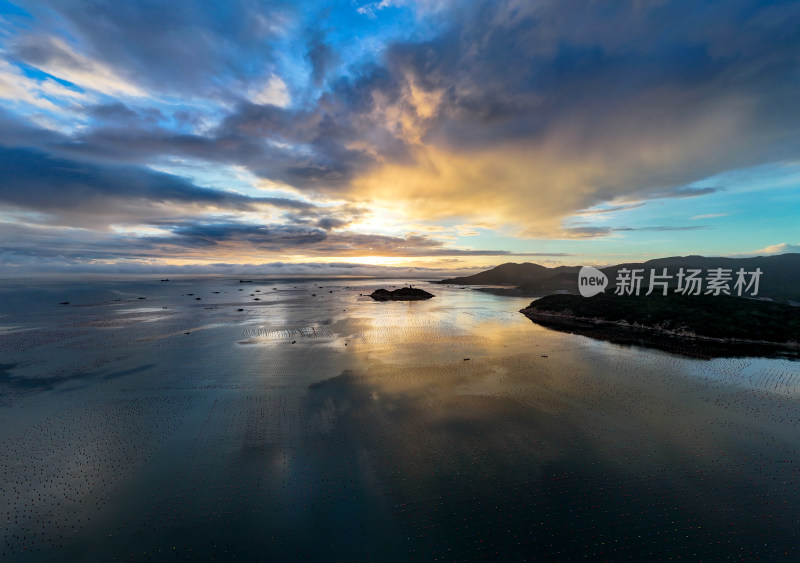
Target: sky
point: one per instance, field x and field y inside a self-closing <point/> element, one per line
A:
<point x="407" y="137"/>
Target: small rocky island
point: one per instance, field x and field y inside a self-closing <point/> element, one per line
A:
<point x="701" y="325"/>
<point x="402" y="294"/>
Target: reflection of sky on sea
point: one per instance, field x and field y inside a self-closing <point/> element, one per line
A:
<point x="217" y="429"/>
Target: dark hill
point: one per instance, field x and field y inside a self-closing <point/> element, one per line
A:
<point x="719" y="317"/>
<point x="564" y="279"/>
<point x="510" y="274"/>
<point x="780" y="278"/>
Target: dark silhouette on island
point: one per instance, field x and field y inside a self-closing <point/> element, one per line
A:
<point x="702" y="325"/>
<point x="402" y="294"/>
<point x="779" y="279"/>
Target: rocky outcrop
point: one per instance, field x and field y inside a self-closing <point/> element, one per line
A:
<point x="402" y="294"/>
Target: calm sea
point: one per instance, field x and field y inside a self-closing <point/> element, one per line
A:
<point x="298" y="419"/>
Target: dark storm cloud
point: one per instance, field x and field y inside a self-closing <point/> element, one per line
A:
<point x="587" y="231"/>
<point x="318" y="141"/>
<point x="289" y="238"/>
<point x="305" y="148"/>
<point x="507" y="71"/>
<point x="20" y="265"/>
<point x="33" y="180"/>
<point x="20" y="133"/>
<point x="513" y="69"/>
<point x="321" y="56"/>
<point x="674" y="192"/>
<point x="686" y="191"/>
<point x="52" y="248"/>
<point x="620" y="77"/>
<point x="325" y="219"/>
<point x="541" y="109"/>
<point x="124" y="115"/>
<point x="279" y="238"/>
<point x="175" y="47"/>
<point x="328" y="223"/>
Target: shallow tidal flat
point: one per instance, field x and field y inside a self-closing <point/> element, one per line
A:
<point x="334" y="427"/>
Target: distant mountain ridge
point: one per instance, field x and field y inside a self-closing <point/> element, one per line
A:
<point x="513" y="274"/>
<point x="780" y="278"/>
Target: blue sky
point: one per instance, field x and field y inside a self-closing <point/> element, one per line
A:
<point x="396" y="136"/>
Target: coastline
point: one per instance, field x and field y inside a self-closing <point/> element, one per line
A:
<point x="681" y="342"/>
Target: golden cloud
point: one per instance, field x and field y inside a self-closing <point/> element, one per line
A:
<point x="530" y="187"/>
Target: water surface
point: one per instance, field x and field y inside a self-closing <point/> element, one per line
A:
<point x="318" y="424"/>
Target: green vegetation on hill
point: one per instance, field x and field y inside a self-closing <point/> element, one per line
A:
<point x="702" y="315"/>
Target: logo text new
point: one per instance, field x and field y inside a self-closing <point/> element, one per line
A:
<point x="687" y="281"/>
